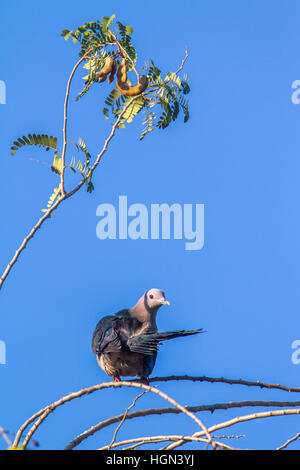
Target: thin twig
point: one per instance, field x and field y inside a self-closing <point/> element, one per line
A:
<point x="164" y="438"/>
<point x="27" y="238"/>
<point x="183" y="61"/>
<point x="63" y="157"/>
<point x="4" y="434"/>
<point x="289" y="441"/>
<point x="40" y="161"/>
<point x="124" y="417"/>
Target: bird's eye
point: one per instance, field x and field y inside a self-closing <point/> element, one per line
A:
<point x="151" y="296"/>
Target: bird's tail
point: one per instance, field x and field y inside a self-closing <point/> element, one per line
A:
<point x="148" y="343"/>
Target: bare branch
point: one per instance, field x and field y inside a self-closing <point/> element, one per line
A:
<point x="66" y="118"/>
<point x="4" y="434"/>
<point x="289" y="441"/>
<point x="240" y="419"/>
<point x="156" y="439"/>
<point x="161" y="411"/>
<point x="46" y="411"/>
<point x="183" y="61"/>
<point x="27" y="238"/>
<point x="248" y="383"/>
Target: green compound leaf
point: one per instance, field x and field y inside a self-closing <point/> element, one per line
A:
<point x="42" y="140"/>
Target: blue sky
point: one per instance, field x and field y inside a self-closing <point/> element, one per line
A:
<point x="238" y="155"/>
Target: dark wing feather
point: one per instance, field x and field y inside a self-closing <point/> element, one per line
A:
<point x="123" y="313"/>
<point x="148" y="343"/>
<point x="112" y="332"/>
<point x="105" y="336"/>
<point x="143" y="344"/>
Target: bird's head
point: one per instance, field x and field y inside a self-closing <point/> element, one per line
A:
<point x="154" y="299"/>
<point x="147" y="306"/>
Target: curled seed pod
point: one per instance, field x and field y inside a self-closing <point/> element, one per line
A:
<point x="133" y="90"/>
<point x="123" y="86"/>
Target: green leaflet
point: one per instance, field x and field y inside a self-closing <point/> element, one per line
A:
<point x="81" y="145"/>
<point x="83" y="168"/>
<point x="125" y="33"/>
<point x="93" y="65"/>
<point x="42" y="140"/>
<point x="134" y="109"/>
<point x="57" y="165"/>
<point x="85" y="172"/>
<point x="172" y="77"/>
<point x="114" y="102"/>
<point x="106" y="22"/>
<point x="148" y="123"/>
<point x="56" y="193"/>
<point x="94" y="33"/>
<point x="129" y="30"/>
<point x="154" y="73"/>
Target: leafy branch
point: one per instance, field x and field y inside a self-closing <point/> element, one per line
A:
<point x="98" y="41"/>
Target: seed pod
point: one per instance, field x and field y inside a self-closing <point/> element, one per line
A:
<point x="123" y="86"/>
<point x="122" y="72"/>
<point x="106" y="69"/>
<point x="112" y="73"/>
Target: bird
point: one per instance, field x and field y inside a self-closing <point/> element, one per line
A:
<point x="126" y="343"/>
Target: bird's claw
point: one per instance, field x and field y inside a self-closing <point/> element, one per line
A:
<point x="145" y="381"/>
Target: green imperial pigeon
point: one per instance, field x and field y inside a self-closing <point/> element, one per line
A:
<point x="126" y="343"/>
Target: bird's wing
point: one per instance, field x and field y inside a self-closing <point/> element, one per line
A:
<point x="143" y="344"/>
<point x="105" y="336"/>
<point x="113" y="331"/>
<point x="148" y="343"/>
<point x="123" y="313"/>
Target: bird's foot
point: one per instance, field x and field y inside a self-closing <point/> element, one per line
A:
<point x="144" y="380"/>
<point x="116" y="378"/>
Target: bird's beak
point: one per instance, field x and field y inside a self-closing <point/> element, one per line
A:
<point x="165" y="302"/>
